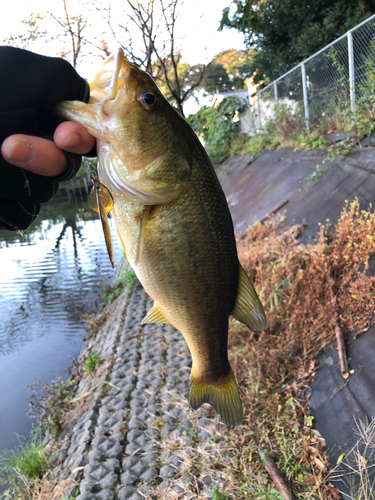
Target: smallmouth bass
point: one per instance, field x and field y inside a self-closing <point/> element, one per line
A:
<point x="174" y="223"/>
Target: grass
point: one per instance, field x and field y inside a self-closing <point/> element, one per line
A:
<point x="93" y="322"/>
<point x="159" y="423"/>
<point x="25" y="470"/>
<point x="75" y="493"/>
<point x="273" y="368"/>
<point x="126" y="281"/>
<point x="50" y="403"/>
<point x="92" y="362"/>
<point x="216" y="495"/>
<point x="288" y="129"/>
<point x="20" y="468"/>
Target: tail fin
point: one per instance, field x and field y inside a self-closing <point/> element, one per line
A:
<point x="224" y="397"/>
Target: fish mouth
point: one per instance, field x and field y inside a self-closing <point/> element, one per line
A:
<point x="104" y="85"/>
<point x="121" y="71"/>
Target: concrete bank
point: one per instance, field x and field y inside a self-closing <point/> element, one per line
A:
<point x="131" y="433"/>
<point x="256" y="189"/>
<point x="253" y="191"/>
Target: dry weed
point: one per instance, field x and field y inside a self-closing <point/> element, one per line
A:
<point x="356" y="469"/>
<point x="46" y="489"/>
<point x="42" y="489"/>
<point x="274" y="367"/>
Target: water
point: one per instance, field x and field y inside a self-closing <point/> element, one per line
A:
<point x="49" y="277"/>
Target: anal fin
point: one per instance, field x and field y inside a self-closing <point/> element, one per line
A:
<point x="155" y="315"/>
<point x="248" y="308"/>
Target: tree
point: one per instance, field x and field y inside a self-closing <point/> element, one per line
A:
<point x="216" y="79"/>
<point x="142" y="19"/>
<point x="148" y="37"/>
<point x="155" y="27"/>
<point x="178" y="80"/>
<point x="32" y="33"/>
<point x="285" y="32"/>
<point x="76" y="43"/>
<point x="73" y="27"/>
<point x="72" y="38"/>
<point x="229" y="70"/>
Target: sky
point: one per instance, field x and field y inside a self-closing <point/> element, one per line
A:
<point x="196" y="26"/>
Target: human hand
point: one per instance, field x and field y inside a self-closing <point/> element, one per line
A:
<point x="33" y="138"/>
<point x="44" y="157"/>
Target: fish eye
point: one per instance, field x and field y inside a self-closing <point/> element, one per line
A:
<point x="149" y="99"/>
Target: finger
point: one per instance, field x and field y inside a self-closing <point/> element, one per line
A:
<point x="74" y="138"/>
<point x="35" y="154"/>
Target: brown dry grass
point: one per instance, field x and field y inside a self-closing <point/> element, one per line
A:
<point x="46" y="489"/>
<point x="275" y="366"/>
<point x="42" y="489"/>
<point x="356" y="469"/>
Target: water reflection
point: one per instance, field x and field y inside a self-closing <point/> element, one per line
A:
<point x="50" y="275"/>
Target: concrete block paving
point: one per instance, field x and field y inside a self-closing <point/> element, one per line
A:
<point x="138" y="438"/>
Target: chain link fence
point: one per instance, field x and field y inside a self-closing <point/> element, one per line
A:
<point x="328" y="86"/>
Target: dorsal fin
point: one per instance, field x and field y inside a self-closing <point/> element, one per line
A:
<point x="155" y="315"/>
<point x="247" y="308"/>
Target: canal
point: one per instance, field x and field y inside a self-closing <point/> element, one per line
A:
<point x="49" y="277"/>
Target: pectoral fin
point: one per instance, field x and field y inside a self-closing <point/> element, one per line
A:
<point x="155" y="315"/>
<point x="248" y="308"/>
<point x="142" y="230"/>
<point x="124" y="247"/>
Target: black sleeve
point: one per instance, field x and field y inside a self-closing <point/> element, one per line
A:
<point x="30" y="86"/>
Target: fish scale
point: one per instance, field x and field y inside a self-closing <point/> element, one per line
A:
<point x="174" y="223"/>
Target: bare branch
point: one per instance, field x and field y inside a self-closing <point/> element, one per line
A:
<point x="157" y="54"/>
<point x="70" y="31"/>
<point x="278" y="480"/>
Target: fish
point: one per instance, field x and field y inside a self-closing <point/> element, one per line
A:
<point x="174" y="223"/>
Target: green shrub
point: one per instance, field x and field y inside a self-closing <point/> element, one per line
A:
<point x="219" y="127"/>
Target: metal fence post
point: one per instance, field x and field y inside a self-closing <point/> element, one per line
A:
<point x="351" y="70"/>
<point x="276" y="97"/>
<point x="252" y="117"/>
<point x="258" y="109"/>
<point x="305" y="98"/>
